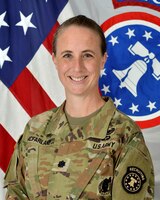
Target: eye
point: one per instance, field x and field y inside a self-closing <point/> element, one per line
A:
<point x="87" y="55"/>
<point x="67" y="55"/>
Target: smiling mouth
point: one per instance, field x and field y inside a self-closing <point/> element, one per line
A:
<point x="77" y="79"/>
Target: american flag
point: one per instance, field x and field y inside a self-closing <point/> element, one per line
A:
<point x="28" y="80"/>
<point x="25" y="65"/>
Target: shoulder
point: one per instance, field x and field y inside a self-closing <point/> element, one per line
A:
<point x="124" y="120"/>
<point x="121" y="120"/>
<point x="38" y="124"/>
<point x="42" y="119"/>
<point x="131" y="134"/>
<point x="124" y="127"/>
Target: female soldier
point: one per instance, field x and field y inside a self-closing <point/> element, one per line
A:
<point x="86" y="148"/>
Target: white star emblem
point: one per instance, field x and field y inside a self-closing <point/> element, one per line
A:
<point x="4" y="57"/>
<point x="117" y="102"/>
<point x="105" y="89"/>
<point x="151" y="105"/>
<point x="103" y="73"/>
<point x="26" y="22"/>
<point x="113" y="40"/>
<point x="2" y="22"/>
<point x="147" y="35"/>
<point x="134" y="108"/>
<point x="130" y="33"/>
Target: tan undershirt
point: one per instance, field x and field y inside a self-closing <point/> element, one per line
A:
<point x="80" y="121"/>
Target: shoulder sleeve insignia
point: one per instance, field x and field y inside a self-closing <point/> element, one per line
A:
<point x="133" y="180"/>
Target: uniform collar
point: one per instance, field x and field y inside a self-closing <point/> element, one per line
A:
<point x="96" y="127"/>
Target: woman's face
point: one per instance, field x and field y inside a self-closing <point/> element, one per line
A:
<point x="79" y="60"/>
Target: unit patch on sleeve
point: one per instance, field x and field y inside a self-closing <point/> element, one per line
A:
<point x="133" y="180"/>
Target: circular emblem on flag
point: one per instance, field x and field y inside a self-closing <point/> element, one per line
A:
<point x="133" y="180"/>
<point x="131" y="76"/>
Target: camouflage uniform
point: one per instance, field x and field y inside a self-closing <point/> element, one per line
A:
<point x="105" y="159"/>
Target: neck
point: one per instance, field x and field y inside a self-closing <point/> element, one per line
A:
<point x="83" y="106"/>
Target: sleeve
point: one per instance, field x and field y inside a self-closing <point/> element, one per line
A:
<point x="14" y="179"/>
<point x="134" y="176"/>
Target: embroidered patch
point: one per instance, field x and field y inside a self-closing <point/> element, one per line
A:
<point x="105" y="186"/>
<point x="61" y="165"/>
<point x="133" y="180"/>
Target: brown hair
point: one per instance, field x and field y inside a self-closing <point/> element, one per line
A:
<point x="80" y="20"/>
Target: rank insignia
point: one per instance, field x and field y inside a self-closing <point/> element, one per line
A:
<point x="61" y="165"/>
<point x="133" y="180"/>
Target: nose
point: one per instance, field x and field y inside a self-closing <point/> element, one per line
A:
<point x="78" y="64"/>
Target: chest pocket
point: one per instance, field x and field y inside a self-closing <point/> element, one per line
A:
<point x="38" y="164"/>
<point x="94" y="182"/>
<point x="31" y="175"/>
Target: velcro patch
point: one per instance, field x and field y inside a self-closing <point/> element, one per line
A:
<point x="133" y="180"/>
<point x="105" y="186"/>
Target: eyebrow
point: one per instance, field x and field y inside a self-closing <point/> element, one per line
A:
<point x="87" y="50"/>
<point x="66" y="51"/>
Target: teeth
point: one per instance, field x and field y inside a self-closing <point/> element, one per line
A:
<point x="78" y="78"/>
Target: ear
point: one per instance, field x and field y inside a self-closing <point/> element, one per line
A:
<point x="104" y="59"/>
<point x="54" y="58"/>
